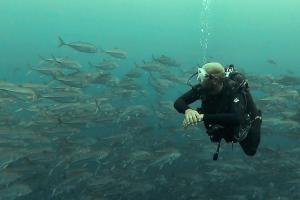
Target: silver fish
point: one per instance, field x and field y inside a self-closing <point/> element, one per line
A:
<point x="105" y="65"/>
<point x="79" y="46"/>
<point x="117" y="53"/>
<point x="165" y="60"/>
<point x="64" y="62"/>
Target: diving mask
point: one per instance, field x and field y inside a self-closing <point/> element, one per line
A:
<point x="201" y="74"/>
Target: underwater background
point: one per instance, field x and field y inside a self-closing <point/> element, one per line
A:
<point x="109" y="131"/>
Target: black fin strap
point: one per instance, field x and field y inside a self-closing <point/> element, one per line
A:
<point x="216" y="155"/>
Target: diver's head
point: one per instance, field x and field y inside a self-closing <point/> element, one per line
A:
<point x="211" y="76"/>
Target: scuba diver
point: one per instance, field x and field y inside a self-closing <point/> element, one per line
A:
<point x="228" y="110"/>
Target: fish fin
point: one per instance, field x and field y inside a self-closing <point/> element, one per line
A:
<point x="153" y="57"/>
<point x="42" y="58"/>
<point x="151" y="76"/>
<point x="97" y="106"/>
<point x="57" y="62"/>
<point x="50" y="82"/>
<point x="34" y="97"/>
<point x="61" y="42"/>
<point x="161" y="166"/>
<point x="54" y="58"/>
<point x="30" y="69"/>
<point x="73" y="73"/>
<point x="101" y="50"/>
<point x="29" y="72"/>
<point x="90" y="64"/>
<point x="135" y="64"/>
<point x="19" y="110"/>
<point x="145" y="170"/>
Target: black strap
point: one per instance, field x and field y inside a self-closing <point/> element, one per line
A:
<point x="216" y="155"/>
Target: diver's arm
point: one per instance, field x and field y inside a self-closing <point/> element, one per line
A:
<point x="235" y="117"/>
<point x="182" y="103"/>
<point x="222" y="118"/>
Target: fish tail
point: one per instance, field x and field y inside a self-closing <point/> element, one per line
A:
<point x="61" y="42"/>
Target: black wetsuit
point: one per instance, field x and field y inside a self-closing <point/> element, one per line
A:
<point x="227" y="109"/>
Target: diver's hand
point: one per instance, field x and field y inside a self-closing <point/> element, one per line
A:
<point x="192" y="117"/>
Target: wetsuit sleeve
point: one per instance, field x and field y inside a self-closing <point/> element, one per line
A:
<point x="234" y="117"/>
<point x="182" y="103"/>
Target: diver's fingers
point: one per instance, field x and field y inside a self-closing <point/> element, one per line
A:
<point x="187" y="118"/>
<point x="198" y="116"/>
<point x="190" y="119"/>
<point x="194" y="119"/>
<point x="185" y="124"/>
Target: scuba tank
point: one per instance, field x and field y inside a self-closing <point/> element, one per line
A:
<point x="252" y="124"/>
